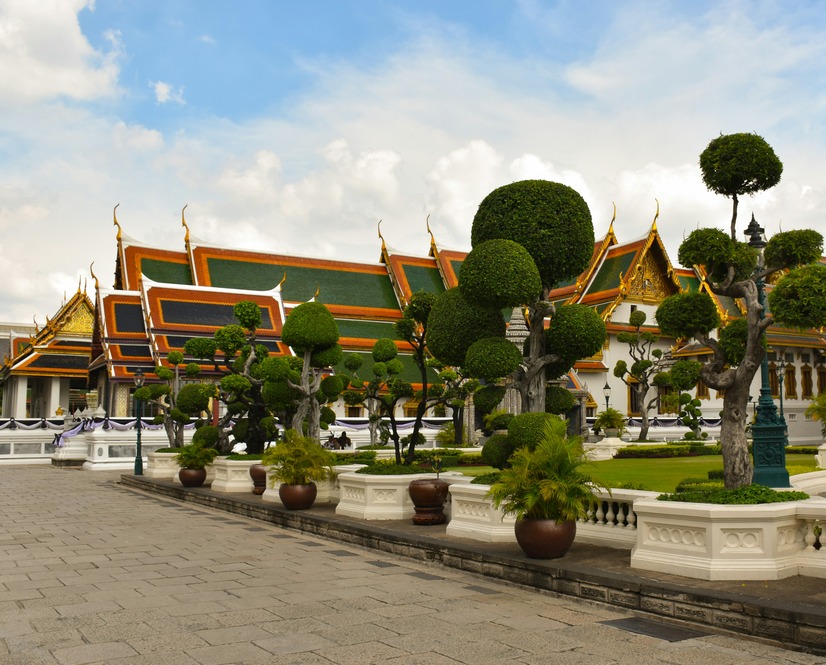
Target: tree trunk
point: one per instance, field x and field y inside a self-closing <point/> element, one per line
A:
<point x="373" y="419"/>
<point x="458" y="416"/>
<point x="737" y="462"/>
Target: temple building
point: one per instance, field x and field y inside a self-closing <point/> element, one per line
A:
<point x="162" y="297"/>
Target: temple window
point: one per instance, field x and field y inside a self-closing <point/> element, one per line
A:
<point x="806" y="384"/>
<point x="354" y="412"/>
<point x="702" y="390"/>
<point x="790" y="382"/>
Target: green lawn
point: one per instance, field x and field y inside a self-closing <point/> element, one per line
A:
<point x="661" y="475"/>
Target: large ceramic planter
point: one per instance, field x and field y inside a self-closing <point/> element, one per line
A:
<point x="328" y="490"/>
<point x="544" y="539"/>
<point x="297" y="497"/>
<point x="428" y="496"/>
<point x="258" y="473"/>
<point x="192" y="477"/>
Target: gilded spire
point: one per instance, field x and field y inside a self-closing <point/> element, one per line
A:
<point x="317" y="291"/>
<point x="94" y="277"/>
<point x="613" y="218"/>
<point x="383" y="244"/>
<point x="115" y="217"/>
<point x="656" y="216"/>
<point x="183" y="223"/>
<point x="432" y="237"/>
<point x="283" y="279"/>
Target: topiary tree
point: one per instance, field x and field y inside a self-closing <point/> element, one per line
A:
<point x="312" y="333"/>
<point x="646" y="363"/>
<point x="732" y="166"/>
<point x="527" y="238"/>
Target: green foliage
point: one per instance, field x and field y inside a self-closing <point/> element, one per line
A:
<point x="491" y="358"/>
<point x="497" y="451"/>
<point x="248" y="314"/>
<point x="550" y="220"/>
<point x="175" y="357"/>
<point x="486" y="478"/>
<point x="419" y="306"/>
<point x="499" y="273"/>
<point x="308" y="327"/>
<point x="200" y="347"/>
<point x="610" y="419"/>
<point x="575" y="331"/>
<point x="206" y="436"/>
<point x="791" y="249"/>
<point x="737" y="164"/>
<point x="558" y="400"/>
<point x="685" y="374"/>
<point x="388" y="468"/>
<point x="454" y="324"/>
<point x="649" y="452"/>
<point x="394" y="367"/>
<point x="361" y="456"/>
<point x="497" y="420"/>
<point x="331" y="387"/>
<point x="487" y="398"/>
<point x="551" y="481"/>
<point x="526" y="429"/>
<point x="244" y="457"/>
<point x="241" y="429"/>
<point x="716" y="251"/>
<point x="192" y="370"/>
<point x="195" y="456"/>
<point x="298" y="460"/>
<point x="637" y="318"/>
<point x="687" y="314"/>
<point x="327" y="356"/>
<point x="235" y="383"/>
<point x="384" y="349"/>
<point x="733" y="340"/>
<point x="230" y="339"/>
<point x="817" y="411"/>
<point x="327" y="416"/>
<point x="354" y="361"/>
<point x="799" y="299"/>
<point x="195" y="397"/>
<point x="164" y="373"/>
<point x="405" y="328"/>
<point x="746" y="495"/>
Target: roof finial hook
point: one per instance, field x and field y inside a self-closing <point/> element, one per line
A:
<point x="283" y="279"/>
<point x="656" y="216"/>
<point x="183" y="223"/>
<point x="317" y="291"/>
<point x="115" y="217"/>
<point x="383" y="244"/>
<point x="94" y="277"/>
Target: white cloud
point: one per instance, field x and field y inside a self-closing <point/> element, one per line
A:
<point x="43" y="54"/>
<point x="166" y="92"/>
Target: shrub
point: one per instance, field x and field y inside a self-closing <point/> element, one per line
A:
<point x="486" y="478"/>
<point x="360" y="457"/>
<point x="496" y="420"/>
<point x="168" y="450"/>
<point x="558" y="400"/>
<point x="801" y="450"/>
<point x="746" y="495"/>
<point x="487" y="398"/>
<point x="497" y="450"/>
<point x="243" y="457"/>
<point x="526" y="429"/>
<point x="392" y="469"/>
<point x="471" y="459"/>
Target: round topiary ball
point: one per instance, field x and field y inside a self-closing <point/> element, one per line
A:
<point x="309" y="326"/>
<point x="454" y="324"/>
<point x="499" y="273"/>
<point x="487" y="398"/>
<point x="526" y="429"/>
<point x="497" y="450"/>
<point x="575" y="331"/>
<point x="558" y="400"/>
<point x="550" y="220"/>
<point x="492" y="358"/>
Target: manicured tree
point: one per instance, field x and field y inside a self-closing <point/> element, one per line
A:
<point x="734" y="269"/>
<point x="453" y="392"/>
<point x="177" y="406"/>
<point x="312" y="333"/>
<point x="527" y="237"/>
<point x="413" y="329"/>
<point x="386" y="366"/>
<point x="682" y="377"/>
<point x="646" y="363"/>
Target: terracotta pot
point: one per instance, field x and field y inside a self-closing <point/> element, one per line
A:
<point x="297" y="497"/>
<point x="192" y="477"/>
<point x="544" y="539"/>
<point x="258" y="473"/>
<point x="428" y="496"/>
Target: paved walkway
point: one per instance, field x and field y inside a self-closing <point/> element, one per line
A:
<point x="93" y="572"/>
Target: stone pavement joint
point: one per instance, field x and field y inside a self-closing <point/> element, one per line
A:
<point x="242" y="591"/>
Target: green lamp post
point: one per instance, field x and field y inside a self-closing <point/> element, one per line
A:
<point x="769" y="429"/>
<point x="139" y="378"/>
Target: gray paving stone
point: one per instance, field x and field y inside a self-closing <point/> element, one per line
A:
<point x="93" y="653"/>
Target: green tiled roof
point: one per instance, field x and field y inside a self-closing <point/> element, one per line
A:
<point x="338" y="287"/>
<point x="456" y="264"/>
<point x="729" y="305"/>
<point x="690" y="283"/>
<point x="166" y="272"/>
<point x="608" y="276"/>
<point x="424" y="279"/>
<point x="365" y="329"/>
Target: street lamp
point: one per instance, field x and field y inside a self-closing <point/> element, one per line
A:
<point x="138" y="409"/>
<point x="607" y="392"/>
<point x="769" y="429"/>
<point x="781" y="377"/>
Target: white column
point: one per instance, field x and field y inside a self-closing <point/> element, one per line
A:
<point x="52" y="397"/>
<point x="18" y="407"/>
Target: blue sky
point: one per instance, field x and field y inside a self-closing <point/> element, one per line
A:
<point x="295" y="127"/>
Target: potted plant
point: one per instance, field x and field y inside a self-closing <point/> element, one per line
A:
<point x="428" y="496"/>
<point x="547" y="488"/>
<point x="193" y="460"/>
<point x="612" y="421"/>
<point x="297" y="463"/>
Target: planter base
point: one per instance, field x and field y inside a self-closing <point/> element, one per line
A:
<point x="428" y="496"/>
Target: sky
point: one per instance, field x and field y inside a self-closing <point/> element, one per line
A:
<point x="294" y="127"/>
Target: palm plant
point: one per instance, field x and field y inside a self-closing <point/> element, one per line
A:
<point x="298" y="460"/>
<point x="550" y="481"/>
<point x="817" y="410"/>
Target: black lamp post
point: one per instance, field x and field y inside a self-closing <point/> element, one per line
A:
<point x="769" y="429"/>
<point x="138" y="409"/>
<point x="607" y="392"/>
<point x="781" y="377"/>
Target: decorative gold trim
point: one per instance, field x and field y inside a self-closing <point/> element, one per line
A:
<point x="183" y="223"/>
<point x="656" y="216"/>
<point x="283" y="279"/>
<point x="94" y="277"/>
<point x="115" y="217"/>
<point x="383" y="244"/>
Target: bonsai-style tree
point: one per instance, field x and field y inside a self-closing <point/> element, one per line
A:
<point x="386" y="367"/>
<point x="312" y="333"/>
<point x="733" y="165"/>
<point x="527" y="237"/>
<point x="177" y="405"/>
<point x="682" y="377"/>
<point x="646" y="363"/>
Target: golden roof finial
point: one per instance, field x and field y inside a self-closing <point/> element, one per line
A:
<point x="317" y="291"/>
<point x="383" y="244"/>
<point x="115" y="217"/>
<point x="183" y="223"/>
<point x="36" y="327"/>
<point x="283" y="279"/>
<point x="432" y="237"/>
<point x="656" y="215"/>
<point x="94" y="277"/>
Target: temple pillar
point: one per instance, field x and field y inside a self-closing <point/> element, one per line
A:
<point x="19" y="396"/>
